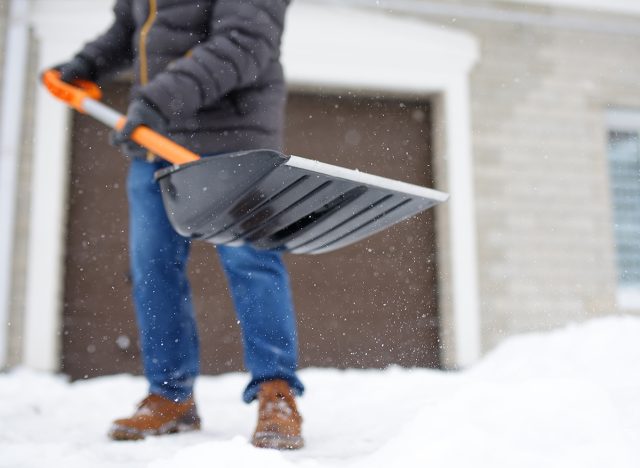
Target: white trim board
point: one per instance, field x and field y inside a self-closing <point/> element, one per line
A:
<point x="612" y="6"/>
<point x="324" y="46"/>
<point x="13" y="90"/>
<point x="623" y="119"/>
<point x="628" y="298"/>
<point x="533" y="15"/>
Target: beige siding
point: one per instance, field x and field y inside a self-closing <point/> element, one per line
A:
<point x="539" y="96"/>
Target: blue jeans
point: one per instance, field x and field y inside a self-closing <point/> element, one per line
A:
<point x="162" y="297"/>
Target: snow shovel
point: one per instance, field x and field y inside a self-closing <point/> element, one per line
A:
<point x="261" y="197"/>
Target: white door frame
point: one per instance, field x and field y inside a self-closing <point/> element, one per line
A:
<point x="324" y="47"/>
<point x="13" y="90"/>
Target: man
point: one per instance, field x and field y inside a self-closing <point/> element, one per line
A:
<point x="207" y="74"/>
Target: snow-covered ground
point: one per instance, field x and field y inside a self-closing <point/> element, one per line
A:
<point x="569" y="398"/>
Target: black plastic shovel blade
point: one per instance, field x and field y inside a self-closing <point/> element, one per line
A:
<point x="293" y="204"/>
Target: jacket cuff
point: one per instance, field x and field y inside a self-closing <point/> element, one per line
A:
<point x="174" y="94"/>
<point x="92" y="67"/>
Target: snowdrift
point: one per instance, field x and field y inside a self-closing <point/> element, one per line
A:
<point x="567" y="398"/>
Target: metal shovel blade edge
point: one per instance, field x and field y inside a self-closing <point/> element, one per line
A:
<point x="287" y="203"/>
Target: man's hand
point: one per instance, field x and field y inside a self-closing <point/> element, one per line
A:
<point x="140" y="112"/>
<point x="77" y="68"/>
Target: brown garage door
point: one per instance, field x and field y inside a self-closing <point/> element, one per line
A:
<point x="369" y="305"/>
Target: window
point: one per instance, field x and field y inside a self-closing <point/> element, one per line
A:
<point x="624" y="168"/>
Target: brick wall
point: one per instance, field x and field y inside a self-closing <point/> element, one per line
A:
<point x="539" y="97"/>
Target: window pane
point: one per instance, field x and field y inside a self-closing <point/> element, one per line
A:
<point x="624" y="158"/>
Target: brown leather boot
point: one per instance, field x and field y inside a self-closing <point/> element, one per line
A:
<point x="157" y="415"/>
<point x="279" y="423"/>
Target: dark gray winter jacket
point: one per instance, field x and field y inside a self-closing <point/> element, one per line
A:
<point x="211" y="66"/>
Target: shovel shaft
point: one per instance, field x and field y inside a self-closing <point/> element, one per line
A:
<point x="85" y="98"/>
<point x="144" y="136"/>
<point x="102" y="113"/>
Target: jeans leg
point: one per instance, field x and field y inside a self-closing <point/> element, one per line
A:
<point x="161" y="291"/>
<point x="262" y="296"/>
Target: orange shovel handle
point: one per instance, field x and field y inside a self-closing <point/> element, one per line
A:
<point x="160" y="145"/>
<point x="84" y="96"/>
<point x="72" y="94"/>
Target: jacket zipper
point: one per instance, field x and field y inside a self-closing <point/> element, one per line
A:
<point x="144" y="69"/>
<point x="144" y="32"/>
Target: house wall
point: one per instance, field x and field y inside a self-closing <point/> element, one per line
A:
<point x="312" y="61"/>
<point x="539" y="96"/>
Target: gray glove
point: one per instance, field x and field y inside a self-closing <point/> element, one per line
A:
<point x="78" y="68"/>
<point x="140" y="112"/>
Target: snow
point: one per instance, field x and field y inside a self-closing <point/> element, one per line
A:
<point x="567" y="398"/>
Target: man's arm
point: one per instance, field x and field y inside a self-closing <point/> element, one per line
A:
<point x="112" y="50"/>
<point x="245" y="38"/>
